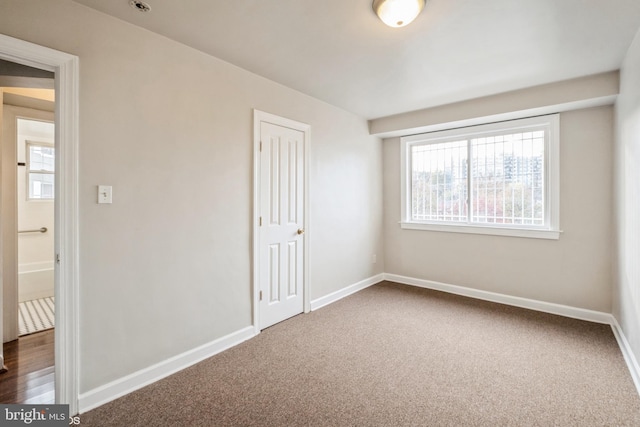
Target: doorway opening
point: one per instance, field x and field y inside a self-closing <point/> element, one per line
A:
<point x="65" y="67"/>
<point x="36" y="229"/>
<point x="28" y="197"/>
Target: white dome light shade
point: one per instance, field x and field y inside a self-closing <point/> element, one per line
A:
<point x="397" y="13"/>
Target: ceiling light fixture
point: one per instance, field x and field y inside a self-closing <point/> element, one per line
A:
<point x="397" y="13"/>
<point x="140" y="6"/>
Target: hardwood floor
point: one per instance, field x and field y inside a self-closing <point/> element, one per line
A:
<point x="30" y="375"/>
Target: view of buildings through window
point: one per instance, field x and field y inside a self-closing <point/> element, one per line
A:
<point x="497" y="179"/>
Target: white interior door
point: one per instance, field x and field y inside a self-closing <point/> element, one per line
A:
<point x="1" y="242"/>
<point x="9" y="226"/>
<point x="281" y="223"/>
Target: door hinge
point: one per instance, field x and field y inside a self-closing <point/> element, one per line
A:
<point x="57" y="258"/>
<point x="260" y="295"/>
<point x="260" y="221"/>
<point x="260" y="146"/>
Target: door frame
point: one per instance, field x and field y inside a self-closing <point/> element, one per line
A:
<point x="66" y="69"/>
<point x="259" y="117"/>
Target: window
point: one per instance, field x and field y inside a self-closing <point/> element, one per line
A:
<point x="40" y="171"/>
<point x="499" y="178"/>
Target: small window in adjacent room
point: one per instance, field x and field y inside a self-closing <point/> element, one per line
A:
<point x="40" y="171"/>
<point x="499" y="178"/>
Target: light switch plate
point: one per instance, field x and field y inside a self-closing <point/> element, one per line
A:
<point x="105" y="194"/>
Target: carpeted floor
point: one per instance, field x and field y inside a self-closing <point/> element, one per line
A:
<point x="393" y="355"/>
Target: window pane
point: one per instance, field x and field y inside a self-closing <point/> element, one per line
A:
<point x="41" y="185"/>
<point x="508" y="179"/>
<point x="41" y="158"/>
<point x="439" y="182"/>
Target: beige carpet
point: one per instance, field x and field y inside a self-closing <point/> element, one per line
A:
<point x="394" y="355"/>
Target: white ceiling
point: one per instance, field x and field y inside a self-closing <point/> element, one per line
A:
<point x="338" y="50"/>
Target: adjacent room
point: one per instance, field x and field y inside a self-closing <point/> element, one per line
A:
<point x="326" y="213"/>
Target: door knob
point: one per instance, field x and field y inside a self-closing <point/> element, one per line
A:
<point x="300" y="230"/>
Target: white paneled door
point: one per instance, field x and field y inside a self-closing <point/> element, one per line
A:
<point x="281" y="223"/>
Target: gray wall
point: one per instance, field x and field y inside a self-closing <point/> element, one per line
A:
<point x="167" y="266"/>
<point x="626" y="303"/>
<point x="574" y="270"/>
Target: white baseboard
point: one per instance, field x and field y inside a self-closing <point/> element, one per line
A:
<point x="337" y="295"/>
<point x="118" y="388"/>
<point x="627" y="353"/>
<point x="546" y="307"/>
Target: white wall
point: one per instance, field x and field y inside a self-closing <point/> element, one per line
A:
<point x="35" y="250"/>
<point x="626" y="301"/>
<point x="566" y="95"/>
<point x="167" y="266"/>
<point x="574" y="270"/>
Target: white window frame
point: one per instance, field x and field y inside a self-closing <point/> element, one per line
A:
<point x="551" y="227"/>
<point x="28" y="145"/>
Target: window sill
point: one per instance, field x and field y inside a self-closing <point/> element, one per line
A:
<point x="494" y="231"/>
